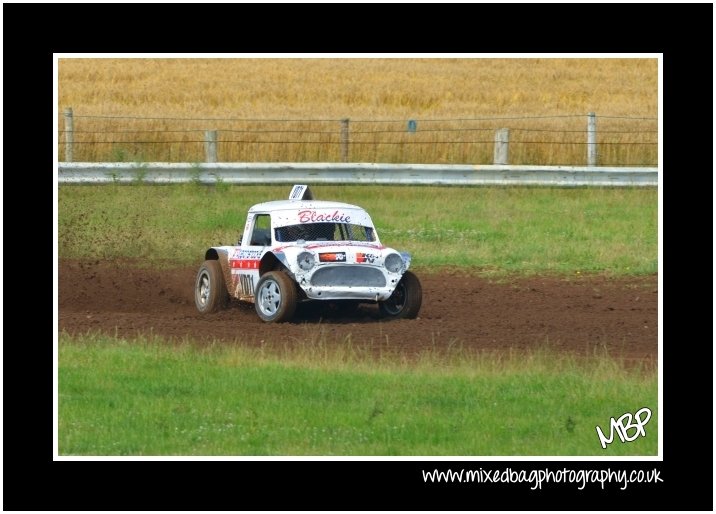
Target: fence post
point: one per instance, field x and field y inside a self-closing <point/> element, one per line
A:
<point x="344" y="139"/>
<point x="591" y="139"/>
<point x="69" y="134"/>
<point x="502" y="146"/>
<point x="210" y="145"/>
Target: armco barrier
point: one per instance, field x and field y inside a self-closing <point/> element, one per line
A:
<point x="359" y="173"/>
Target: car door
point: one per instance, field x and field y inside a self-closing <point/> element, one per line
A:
<point x="245" y="262"/>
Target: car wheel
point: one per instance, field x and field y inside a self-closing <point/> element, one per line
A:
<point x="276" y="297"/>
<point x="405" y="301"/>
<point x="210" y="293"/>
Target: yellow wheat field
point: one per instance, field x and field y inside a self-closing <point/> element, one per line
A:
<point x="290" y="109"/>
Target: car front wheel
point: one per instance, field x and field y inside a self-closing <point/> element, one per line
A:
<point x="276" y="297"/>
<point x="405" y="301"/>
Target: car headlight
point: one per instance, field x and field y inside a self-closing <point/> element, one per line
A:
<point x="306" y="260"/>
<point x="393" y="263"/>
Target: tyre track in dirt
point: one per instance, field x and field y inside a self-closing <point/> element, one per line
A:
<point x="584" y="315"/>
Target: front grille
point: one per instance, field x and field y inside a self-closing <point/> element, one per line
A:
<point x="348" y="276"/>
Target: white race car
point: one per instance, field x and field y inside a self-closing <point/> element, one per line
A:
<point x="300" y="250"/>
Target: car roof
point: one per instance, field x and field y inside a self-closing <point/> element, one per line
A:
<point x="283" y="205"/>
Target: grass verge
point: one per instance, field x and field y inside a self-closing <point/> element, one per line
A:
<point x="493" y="230"/>
<point x="146" y="397"/>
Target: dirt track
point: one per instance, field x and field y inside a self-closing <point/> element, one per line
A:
<point x="581" y="315"/>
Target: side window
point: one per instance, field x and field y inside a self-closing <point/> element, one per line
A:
<point x="261" y="234"/>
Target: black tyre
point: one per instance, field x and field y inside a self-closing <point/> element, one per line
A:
<point x="405" y="301"/>
<point x="276" y="297"/>
<point x="210" y="293"/>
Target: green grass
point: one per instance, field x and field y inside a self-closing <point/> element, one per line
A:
<point x="147" y="397"/>
<point x="493" y="230"/>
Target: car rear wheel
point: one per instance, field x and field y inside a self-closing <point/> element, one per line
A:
<point x="276" y="297"/>
<point x="210" y="294"/>
<point x="405" y="301"/>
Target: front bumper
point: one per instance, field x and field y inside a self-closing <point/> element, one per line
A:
<point x="348" y="282"/>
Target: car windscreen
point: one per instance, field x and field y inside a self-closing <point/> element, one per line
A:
<point x="324" y="232"/>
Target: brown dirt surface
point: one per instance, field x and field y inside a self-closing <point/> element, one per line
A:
<point x="585" y="315"/>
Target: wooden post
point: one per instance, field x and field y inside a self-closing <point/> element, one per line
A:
<point x="210" y="145"/>
<point x="591" y="139"/>
<point x="502" y="146"/>
<point x="69" y="134"/>
<point x="344" y="139"/>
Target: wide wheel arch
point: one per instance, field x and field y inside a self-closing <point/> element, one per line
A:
<point x="273" y="262"/>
